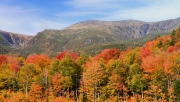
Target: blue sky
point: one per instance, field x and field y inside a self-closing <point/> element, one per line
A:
<point x="32" y="16"/>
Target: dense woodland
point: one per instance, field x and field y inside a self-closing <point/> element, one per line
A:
<point x="145" y="74"/>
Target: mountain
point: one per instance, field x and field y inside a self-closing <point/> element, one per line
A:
<point x="13" y="39"/>
<point x="133" y="28"/>
<point x="10" y="40"/>
<point x="94" y="32"/>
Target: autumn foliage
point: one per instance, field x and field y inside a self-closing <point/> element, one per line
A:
<point x="3" y="59"/>
<point x="150" y="73"/>
<point x="108" y="54"/>
<point x="61" y="55"/>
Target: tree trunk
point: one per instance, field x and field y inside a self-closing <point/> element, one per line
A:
<point x="76" y="87"/>
<point x="26" y="87"/>
<point x="76" y="95"/>
<point x="27" y="83"/>
<point x="142" y="94"/>
<point x="94" y="93"/>
<point x="133" y="93"/>
<point x="98" y="97"/>
<point x="46" y="76"/>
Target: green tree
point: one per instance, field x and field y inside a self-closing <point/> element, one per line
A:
<point x="26" y="77"/>
<point x="5" y="77"/>
<point x="132" y="57"/>
<point x="135" y="81"/>
<point x="71" y="74"/>
<point x="173" y="33"/>
<point x="177" y="89"/>
<point x="54" y="67"/>
<point x="82" y="59"/>
<point x="158" y="80"/>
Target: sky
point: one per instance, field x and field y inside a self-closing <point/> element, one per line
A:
<point x="32" y="16"/>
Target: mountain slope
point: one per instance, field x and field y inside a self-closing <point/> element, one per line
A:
<point x="10" y="42"/>
<point x="13" y="39"/>
<point x="95" y="32"/>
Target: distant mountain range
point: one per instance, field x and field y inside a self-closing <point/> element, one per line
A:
<point x="87" y="33"/>
<point x="10" y="40"/>
<point x="13" y="39"/>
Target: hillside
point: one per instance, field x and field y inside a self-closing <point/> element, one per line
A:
<point x="13" y="39"/>
<point x="93" y="32"/>
<point x="4" y="49"/>
<point x="149" y="73"/>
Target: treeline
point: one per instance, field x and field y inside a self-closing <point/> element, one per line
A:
<point x="121" y="45"/>
<point x="146" y="74"/>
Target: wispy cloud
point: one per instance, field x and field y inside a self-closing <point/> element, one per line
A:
<point x="16" y="17"/>
<point x="76" y="13"/>
<point x="158" y="10"/>
<point x="107" y="5"/>
<point x="96" y="5"/>
<point x="15" y="9"/>
<point x="80" y="10"/>
<point x="25" y="21"/>
<point x="7" y="1"/>
<point x="28" y="25"/>
<point x="85" y="3"/>
<point x="146" y="10"/>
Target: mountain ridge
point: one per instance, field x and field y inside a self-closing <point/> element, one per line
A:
<point x="87" y="33"/>
<point x="13" y="39"/>
<point x="95" y="32"/>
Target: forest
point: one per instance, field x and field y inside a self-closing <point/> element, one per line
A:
<point x="150" y="73"/>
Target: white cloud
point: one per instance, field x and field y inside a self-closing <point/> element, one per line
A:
<point x="7" y="1"/>
<point x="29" y="26"/>
<point x="145" y="10"/>
<point x="96" y="5"/>
<point x="25" y="21"/>
<point x="8" y="9"/>
<point x="30" y="21"/>
<point x="154" y="11"/>
<point x="79" y="14"/>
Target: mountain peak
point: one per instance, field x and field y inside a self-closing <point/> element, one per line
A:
<point x="13" y="39"/>
<point x="96" y="32"/>
<point x="90" y="33"/>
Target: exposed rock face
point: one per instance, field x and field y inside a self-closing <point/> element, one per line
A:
<point x="12" y="39"/>
<point x="132" y="27"/>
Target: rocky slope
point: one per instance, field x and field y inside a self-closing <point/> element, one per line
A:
<point x="13" y="39"/>
<point x="95" y="32"/>
<point x="132" y="27"/>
